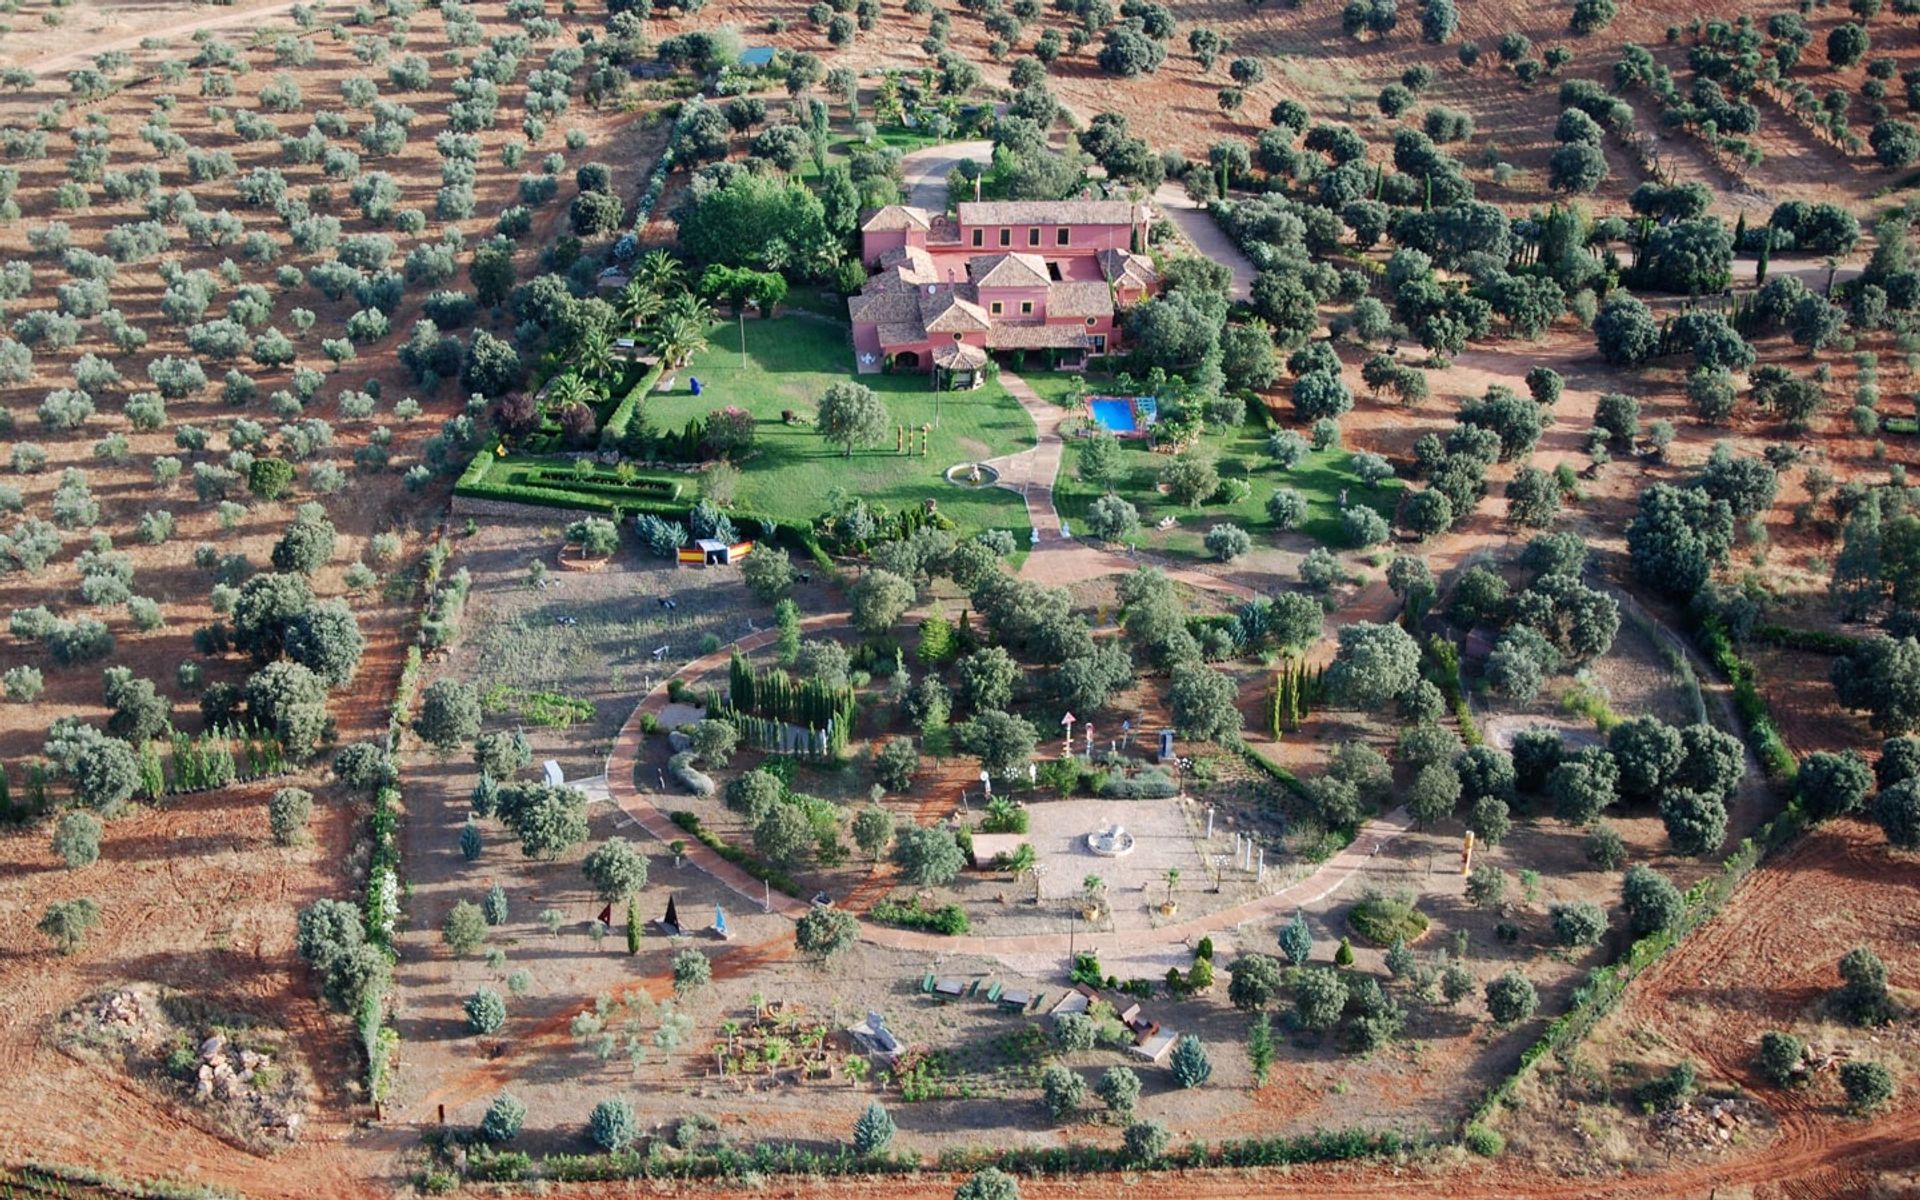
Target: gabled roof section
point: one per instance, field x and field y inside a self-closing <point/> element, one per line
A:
<point x="886" y="306"/>
<point x="1051" y="212"/>
<point x="895" y="217"/>
<point x="954" y="310"/>
<point x="1123" y="268"/>
<point x="1008" y="270"/>
<point x="1005" y="336"/>
<point x="959" y="356"/>
<point x="908" y="264"/>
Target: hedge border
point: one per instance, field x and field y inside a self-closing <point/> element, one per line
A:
<point x="1079" y="1158"/>
<point x="770" y="875"/>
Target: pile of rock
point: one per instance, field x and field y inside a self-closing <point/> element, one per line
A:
<point x="120" y="1009"/>
<point x="232" y="1074"/>
<point x="1704" y="1123"/>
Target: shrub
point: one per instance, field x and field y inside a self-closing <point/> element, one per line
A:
<point x="486" y="1011"/>
<point x="1669" y="1090"/>
<point x="873" y="1131"/>
<point x="1862" y="997"/>
<point x="1485" y="1142"/>
<point x="1511" y="998"/>
<point x="1191" y="1066"/>
<point x="504" y="1117"/>
<point x="76" y="840"/>
<point x="1577" y="923"/>
<point x="1869" y="1086"/>
<point x="1780" y="1056"/>
<point x="465" y="928"/>
<point x="1119" y="1090"/>
<point x="287" y="815"/>
<point x="1384" y="920"/>
<point x="611" y="1126"/>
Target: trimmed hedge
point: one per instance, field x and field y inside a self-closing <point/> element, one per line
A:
<point x="949" y="919"/>
<point x="1762" y="735"/>
<point x="477" y="483"/>
<point x="603" y="484"/>
<point x="614" y="429"/>
<point x="785" y="1159"/>
<point x="771" y="875"/>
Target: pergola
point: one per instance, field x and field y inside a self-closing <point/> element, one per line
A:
<point x="958" y="366"/>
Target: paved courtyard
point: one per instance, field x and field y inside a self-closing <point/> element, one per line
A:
<point x="1162" y="839"/>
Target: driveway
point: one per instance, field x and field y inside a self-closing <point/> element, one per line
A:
<point x="1204" y="234"/>
<point x="925" y="171"/>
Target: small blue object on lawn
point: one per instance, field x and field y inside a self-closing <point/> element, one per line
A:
<point x="693" y="384"/>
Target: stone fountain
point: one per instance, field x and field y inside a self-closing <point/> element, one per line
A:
<point x="1112" y="842"/>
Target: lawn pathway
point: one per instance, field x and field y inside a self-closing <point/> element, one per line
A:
<point x="643" y="808"/>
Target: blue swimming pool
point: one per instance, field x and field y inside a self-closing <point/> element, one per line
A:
<point x="1114" y="414"/>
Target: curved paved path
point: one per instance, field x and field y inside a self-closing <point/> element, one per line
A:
<point x="641" y="806"/>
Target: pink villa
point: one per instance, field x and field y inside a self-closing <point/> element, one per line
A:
<point x="1044" y="275"/>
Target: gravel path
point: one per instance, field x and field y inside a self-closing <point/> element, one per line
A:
<point x="925" y="171"/>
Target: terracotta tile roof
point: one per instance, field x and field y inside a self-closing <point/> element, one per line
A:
<point x="953" y="310"/>
<point x="901" y="333"/>
<point x="1006" y="336"/>
<point x="1050" y="212"/>
<point x="1079" y="300"/>
<point x="1128" y="269"/>
<point x="885" y="306"/>
<point x="959" y="356"/>
<point x="908" y="264"/>
<point x="1008" y="270"/>
<point x="896" y="217"/>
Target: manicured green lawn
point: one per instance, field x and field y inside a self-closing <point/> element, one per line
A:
<point x="1240" y="453"/>
<point x="789" y="363"/>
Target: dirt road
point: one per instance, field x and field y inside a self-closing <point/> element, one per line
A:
<point x="227" y="18"/>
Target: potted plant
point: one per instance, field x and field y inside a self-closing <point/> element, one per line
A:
<point x="1167" y="906"/>
<point x="1092" y="895"/>
<point x="679" y="849"/>
<point x="590" y="544"/>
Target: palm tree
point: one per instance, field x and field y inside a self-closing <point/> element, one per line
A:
<point x="593" y="356"/>
<point x="660" y="271"/>
<point x="677" y="338"/>
<point x="569" y="389"/>
<point x="690" y="307"/>
<point x="638" y="304"/>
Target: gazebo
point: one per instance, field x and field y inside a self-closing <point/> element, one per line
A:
<point x="958" y="367"/>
